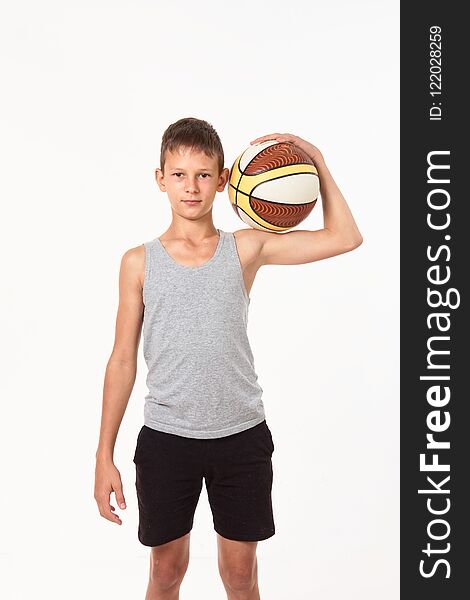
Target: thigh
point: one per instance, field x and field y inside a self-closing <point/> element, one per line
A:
<point x="168" y="484"/>
<point x="172" y="555"/>
<point x="239" y="479"/>
<point x="235" y="555"/>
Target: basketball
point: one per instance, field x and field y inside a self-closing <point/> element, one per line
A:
<point x="273" y="186"/>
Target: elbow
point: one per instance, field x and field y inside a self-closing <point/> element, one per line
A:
<point x="358" y="241"/>
<point x="347" y="242"/>
<point x="123" y="361"/>
<point x="353" y="242"/>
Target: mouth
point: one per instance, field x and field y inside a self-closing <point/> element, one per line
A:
<point x="191" y="201"/>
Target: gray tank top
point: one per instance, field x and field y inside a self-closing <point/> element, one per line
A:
<point x="201" y="374"/>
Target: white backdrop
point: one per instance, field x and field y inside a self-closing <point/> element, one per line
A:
<point x="89" y="88"/>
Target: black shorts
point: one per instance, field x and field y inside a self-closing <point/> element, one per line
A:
<point x="238" y="473"/>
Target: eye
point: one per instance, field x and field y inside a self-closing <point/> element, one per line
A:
<point x="203" y="174"/>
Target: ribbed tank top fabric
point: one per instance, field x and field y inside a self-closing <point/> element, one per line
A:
<point x="201" y="377"/>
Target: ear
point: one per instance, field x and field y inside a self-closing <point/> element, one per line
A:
<point x="160" y="179"/>
<point x="223" y="178"/>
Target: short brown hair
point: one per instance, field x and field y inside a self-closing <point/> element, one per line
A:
<point x="194" y="134"/>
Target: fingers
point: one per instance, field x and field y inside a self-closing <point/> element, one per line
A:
<point x="119" y="495"/>
<point x="264" y="138"/>
<point x="280" y="137"/>
<point x="103" y="500"/>
<point x="105" y="508"/>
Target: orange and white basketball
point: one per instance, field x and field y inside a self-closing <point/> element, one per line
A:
<point x="273" y="186"/>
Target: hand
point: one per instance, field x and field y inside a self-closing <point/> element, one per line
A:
<point x="107" y="480"/>
<point x="310" y="149"/>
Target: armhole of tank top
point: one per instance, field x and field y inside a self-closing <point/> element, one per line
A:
<point x="146" y="246"/>
<point x="239" y="269"/>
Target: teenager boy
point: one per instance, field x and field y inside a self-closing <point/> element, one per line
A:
<point x="204" y="417"/>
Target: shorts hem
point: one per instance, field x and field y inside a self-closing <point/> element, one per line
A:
<point x="247" y="538"/>
<point x="163" y="540"/>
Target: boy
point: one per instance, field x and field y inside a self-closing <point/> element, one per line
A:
<point x="204" y="417"/>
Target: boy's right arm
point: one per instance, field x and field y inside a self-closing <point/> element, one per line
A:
<point x="119" y="379"/>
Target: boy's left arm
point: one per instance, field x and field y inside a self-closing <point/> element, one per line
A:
<point x="340" y="233"/>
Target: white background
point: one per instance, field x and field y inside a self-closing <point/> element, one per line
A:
<point x="88" y="89"/>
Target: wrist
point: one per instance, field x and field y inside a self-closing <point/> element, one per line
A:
<point x="319" y="162"/>
<point x="104" y="456"/>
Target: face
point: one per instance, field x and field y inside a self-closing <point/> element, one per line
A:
<point x="191" y="175"/>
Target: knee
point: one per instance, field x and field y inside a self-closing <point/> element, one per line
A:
<point x="240" y="578"/>
<point x="166" y="574"/>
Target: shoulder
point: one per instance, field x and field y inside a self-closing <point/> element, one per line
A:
<point x="133" y="265"/>
<point x="250" y="244"/>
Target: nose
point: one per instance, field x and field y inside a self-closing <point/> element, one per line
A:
<point x="191" y="185"/>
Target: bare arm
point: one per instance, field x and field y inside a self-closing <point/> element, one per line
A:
<point x="339" y="234"/>
<point x="119" y="379"/>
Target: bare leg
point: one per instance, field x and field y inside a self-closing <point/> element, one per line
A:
<point x="168" y="565"/>
<point x="238" y="568"/>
